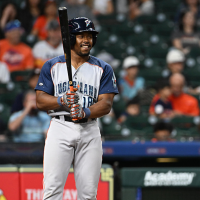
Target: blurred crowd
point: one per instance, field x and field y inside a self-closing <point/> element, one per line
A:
<point x="30" y="35"/>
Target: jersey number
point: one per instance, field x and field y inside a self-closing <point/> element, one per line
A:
<point x="87" y="101"/>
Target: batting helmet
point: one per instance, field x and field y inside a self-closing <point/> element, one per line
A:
<point x="81" y="24"/>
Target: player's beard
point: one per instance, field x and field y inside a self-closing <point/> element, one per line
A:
<point x="83" y="54"/>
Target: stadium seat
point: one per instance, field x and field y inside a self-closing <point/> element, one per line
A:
<point x="110" y="126"/>
<point x="8" y="92"/>
<point x="4" y="112"/>
<point x="156" y="51"/>
<point x="151" y="74"/>
<point x="21" y="78"/>
<point x="163" y="30"/>
<point x="139" y="122"/>
<point x="194" y="52"/>
<point x="183" y="122"/>
<point x="146" y="20"/>
<point x="119" y="105"/>
<point x="165" y="6"/>
<point x="138" y="40"/>
<point x="187" y="135"/>
<point x="192" y="73"/>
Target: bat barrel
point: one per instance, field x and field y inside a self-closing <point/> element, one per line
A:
<point x="63" y="17"/>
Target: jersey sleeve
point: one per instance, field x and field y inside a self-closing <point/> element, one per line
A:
<point x="108" y="81"/>
<point x="45" y="82"/>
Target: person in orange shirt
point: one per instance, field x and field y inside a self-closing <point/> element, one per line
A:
<point x="39" y="28"/>
<point x="17" y="55"/>
<point x="182" y="103"/>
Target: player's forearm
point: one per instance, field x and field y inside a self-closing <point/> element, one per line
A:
<point x="45" y="101"/>
<point x="100" y="109"/>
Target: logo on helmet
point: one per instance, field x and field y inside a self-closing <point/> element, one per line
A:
<point x="87" y="22"/>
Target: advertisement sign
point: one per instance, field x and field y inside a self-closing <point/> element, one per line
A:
<point x="31" y="184"/>
<point x="159" y="177"/>
<point x="9" y="183"/>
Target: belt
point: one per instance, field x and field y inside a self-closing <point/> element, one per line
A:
<point x="69" y="119"/>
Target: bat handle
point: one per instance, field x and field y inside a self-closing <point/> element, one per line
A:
<point x="71" y="88"/>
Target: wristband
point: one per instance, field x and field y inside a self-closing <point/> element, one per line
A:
<point x="87" y="112"/>
<point x="59" y="100"/>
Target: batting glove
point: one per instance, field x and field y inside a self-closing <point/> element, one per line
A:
<point x="69" y="98"/>
<point x="77" y="112"/>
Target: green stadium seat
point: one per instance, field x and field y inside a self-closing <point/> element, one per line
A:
<point x="183" y="122"/>
<point x="8" y="92"/>
<point x="119" y="105"/>
<point x="29" y="40"/>
<point x="156" y="51"/>
<point x="144" y="109"/>
<point x="163" y="30"/>
<point x="191" y="63"/>
<point x="152" y="73"/>
<point x="140" y="122"/>
<point x="110" y="126"/>
<point x="194" y="52"/>
<point x="21" y="78"/>
<point x="187" y="135"/>
<point x="4" y="112"/>
<point x="139" y="40"/>
<point x="165" y="6"/>
<point x="146" y="20"/>
<point x="192" y="73"/>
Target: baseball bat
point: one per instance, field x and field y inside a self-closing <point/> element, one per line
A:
<point x="63" y="17"/>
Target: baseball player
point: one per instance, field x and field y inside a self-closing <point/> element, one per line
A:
<point x="73" y="136"/>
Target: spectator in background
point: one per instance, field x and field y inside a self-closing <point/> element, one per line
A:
<point x="175" y="63"/>
<point x="50" y="13"/>
<point x="32" y="82"/>
<point x="29" y="13"/>
<point x="8" y="12"/>
<point x="140" y="7"/>
<point x="162" y="132"/>
<point x="131" y="84"/>
<point x="76" y="9"/>
<point x="16" y="54"/>
<point x="29" y="124"/>
<point x="182" y="103"/>
<point x="132" y="109"/>
<point x="162" y="106"/>
<point x="49" y="48"/>
<point x="4" y="73"/>
<point x="188" y="5"/>
<point x="186" y="37"/>
<point x="103" y="7"/>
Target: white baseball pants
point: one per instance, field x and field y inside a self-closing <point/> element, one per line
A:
<point x="69" y="143"/>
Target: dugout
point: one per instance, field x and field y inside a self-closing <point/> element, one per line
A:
<point x="160" y="183"/>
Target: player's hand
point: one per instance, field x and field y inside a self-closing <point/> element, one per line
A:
<point x="77" y="112"/>
<point x="70" y="98"/>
